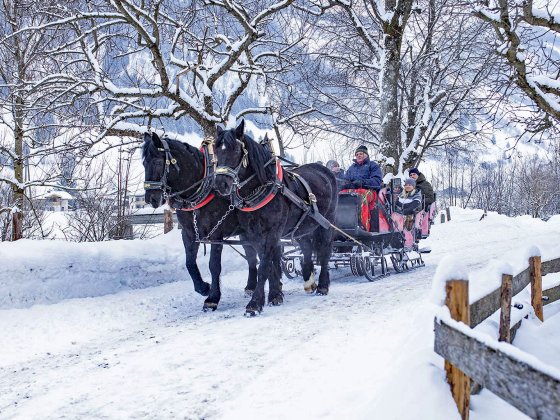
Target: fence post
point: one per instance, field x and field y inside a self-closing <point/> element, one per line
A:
<point x="536" y="286"/>
<point x="448" y="213"/>
<point x="505" y="312"/>
<point x="167" y="220"/>
<point x="457" y="300"/>
<point x="442" y="218"/>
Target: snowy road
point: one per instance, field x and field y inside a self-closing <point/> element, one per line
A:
<point x="363" y="351"/>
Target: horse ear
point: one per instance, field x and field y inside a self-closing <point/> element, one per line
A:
<point x="240" y="130"/>
<point x="147" y="137"/>
<point x="157" y="141"/>
<point x="266" y="138"/>
<point x="219" y="130"/>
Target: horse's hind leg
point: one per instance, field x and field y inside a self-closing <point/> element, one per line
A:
<point x="308" y="273"/>
<point x="252" y="260"/>
<point x="322" y="241"/>
<point x="213" y="298"/>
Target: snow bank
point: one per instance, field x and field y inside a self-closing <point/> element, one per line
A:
<point x="486" y="276"/>
<point x="34" y="272"/>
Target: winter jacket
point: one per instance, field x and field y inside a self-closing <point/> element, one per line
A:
<point x="409" y="203"/>
<point x="367" y="175"/>
<point x="426" y="188"/>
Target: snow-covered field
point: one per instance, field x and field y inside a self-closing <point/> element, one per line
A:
<point x="106" y="331"/>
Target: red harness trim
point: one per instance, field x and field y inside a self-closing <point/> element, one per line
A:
<point x="269" y="197"/>
<point x="201" y="204"/>
<point x="207" y="199"/>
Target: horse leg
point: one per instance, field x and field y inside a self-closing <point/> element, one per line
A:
<point x="267" y="252"/>
<point x="252" y="260"/>
<point x="275" y="295"/>
<point x="215" y="263"/>
<point x="323" y="246"/>
<point x="191" y="250"/>
<point x="308" y="273"/>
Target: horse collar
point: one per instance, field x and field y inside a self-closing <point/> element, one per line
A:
<point x="263" y="195"/>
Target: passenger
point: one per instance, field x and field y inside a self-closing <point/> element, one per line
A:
<point x="410" y="201"/>
<point x="363" y="173"/>
<point x="424" y="186"/>
<point x="335" y="168"/>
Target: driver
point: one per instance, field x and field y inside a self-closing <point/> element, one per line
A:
<point x="363" y="173"/>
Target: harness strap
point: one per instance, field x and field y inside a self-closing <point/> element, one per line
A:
<point x="298" y="201"/>
<point x="203" y="195"/>
<point x="275" y="186"/>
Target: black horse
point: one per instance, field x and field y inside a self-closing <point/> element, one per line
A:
<point x="171" y="167"/>
<point x="247" y="171"/>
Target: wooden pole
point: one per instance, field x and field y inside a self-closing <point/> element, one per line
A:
<point x="505" y="312"/>
<point x="448" y="213"/>
<point x="457" y="300"/>
<point x="167" y="220"/>
<point x="536" y="286"/>
<point x="442" y="218"/>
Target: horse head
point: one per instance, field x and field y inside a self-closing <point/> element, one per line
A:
<point x="238" y="157"/>
<point x="169" y="166"/>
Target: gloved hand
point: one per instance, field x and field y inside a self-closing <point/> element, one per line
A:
<point x="357" y="184"/>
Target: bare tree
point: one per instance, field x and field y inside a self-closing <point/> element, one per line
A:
<point x="199" y="61"/>
<point x="525" y="35"/>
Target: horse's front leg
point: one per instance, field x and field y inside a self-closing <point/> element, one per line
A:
<point x="213" y="298"/>
<point x="267" y="253"/>
<point x="191" y="251"/>
<point x="252" y="260"/>
<point x="275" y="295"/>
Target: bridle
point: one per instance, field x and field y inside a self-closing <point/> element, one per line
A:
<point x="263" y="194"/>
<point x="233" y="173"/>
<point x="202" y="195"/>
<point x="162" y="183"/>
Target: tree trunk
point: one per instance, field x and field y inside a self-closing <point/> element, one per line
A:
<point x="391" y="144"/>
<point x="19" y="166"/>
<point x="389" y="110"/>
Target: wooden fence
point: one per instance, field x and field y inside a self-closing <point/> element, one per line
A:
<point x="470" y="358"/>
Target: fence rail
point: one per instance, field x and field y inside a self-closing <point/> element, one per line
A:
<point x="494" y="365"/>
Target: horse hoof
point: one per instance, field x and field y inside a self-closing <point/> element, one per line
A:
<point x="204" y="290"/>
<point x="277" y="301"/>
<point x="209" y="306"/>
<point x="249" y="293"/>
<point x="252" y="311"/>
<point x="323" y="291"/>
<point x="311" y="288"/>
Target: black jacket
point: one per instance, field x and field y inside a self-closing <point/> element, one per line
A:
<point x="426" y="188"/>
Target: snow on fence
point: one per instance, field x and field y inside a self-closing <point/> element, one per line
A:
<point x="513" y="375"/>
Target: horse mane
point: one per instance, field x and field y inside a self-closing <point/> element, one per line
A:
<point x="178" y="148"/>
<point x="258" y="156"/>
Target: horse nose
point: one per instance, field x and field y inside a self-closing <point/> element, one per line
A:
<point x="223" y="186"/>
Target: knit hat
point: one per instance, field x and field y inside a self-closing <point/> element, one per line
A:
<point x="413" y="171"/>
<point x="410" y="181"/>
<point x="331" y="164"/>
<point x="363" y="149"/>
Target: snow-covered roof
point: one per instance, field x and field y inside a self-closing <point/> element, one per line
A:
<point x="57" y="194"/>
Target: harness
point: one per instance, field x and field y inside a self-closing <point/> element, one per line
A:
<point x="202" y="195"/>
<point x="264" y="193"/>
